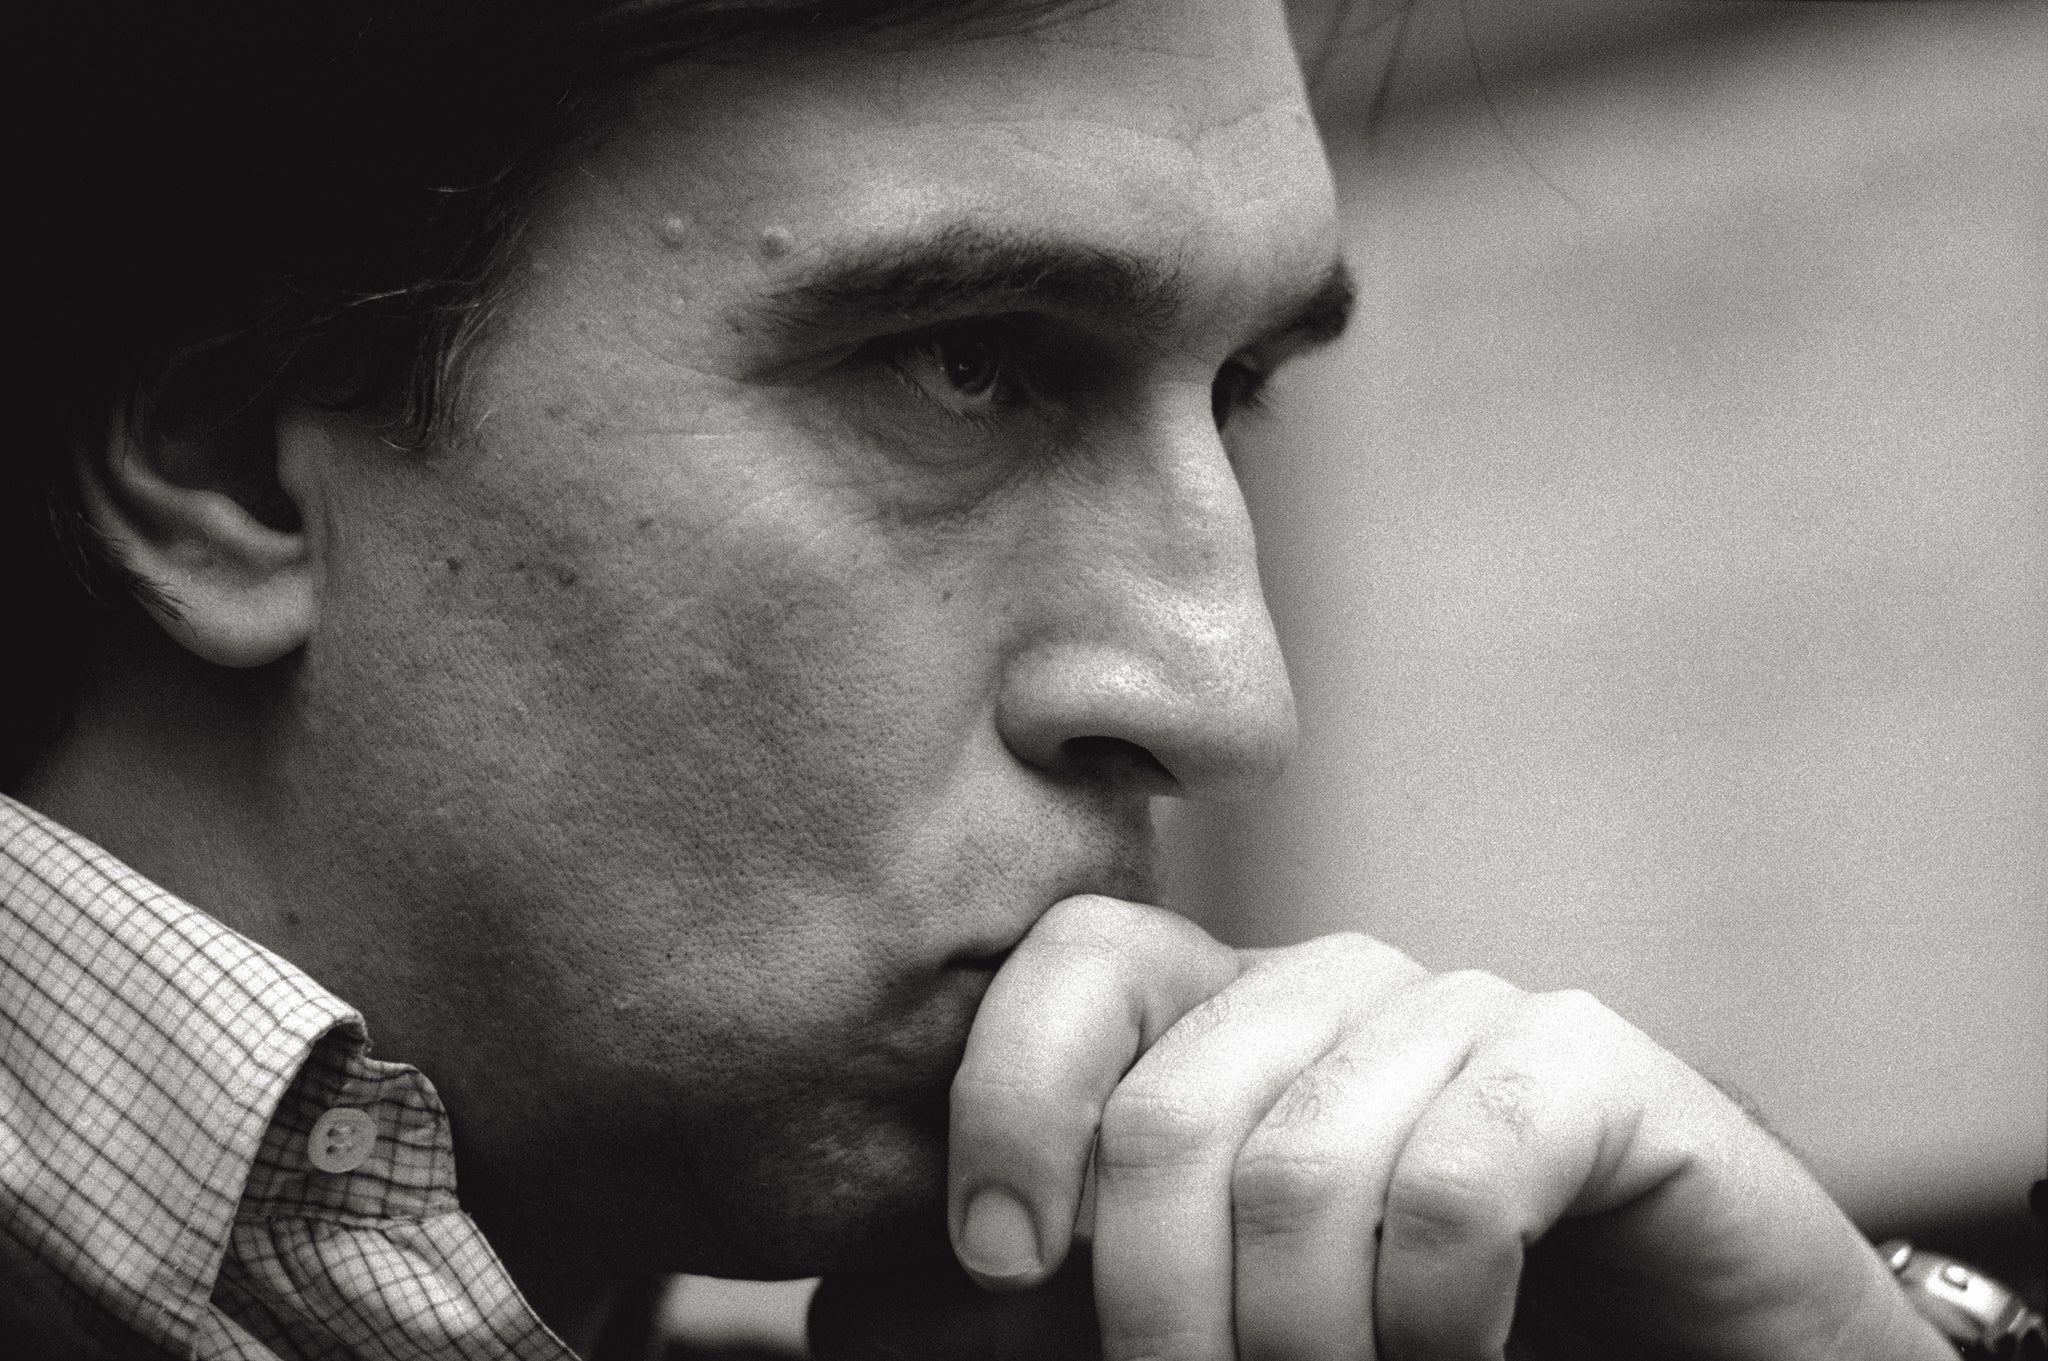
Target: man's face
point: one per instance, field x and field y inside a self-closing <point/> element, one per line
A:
<point x="838" y="553"/>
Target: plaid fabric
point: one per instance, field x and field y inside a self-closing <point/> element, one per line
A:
<point x="159" y="1077"/>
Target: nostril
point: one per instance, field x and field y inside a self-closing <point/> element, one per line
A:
<point x="1117" y="761"/>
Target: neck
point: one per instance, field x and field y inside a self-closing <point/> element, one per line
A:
<point x="160" y="764"/>
<point x="164" y="765"/>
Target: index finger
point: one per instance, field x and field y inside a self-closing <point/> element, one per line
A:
<point x="1095" y="982"/>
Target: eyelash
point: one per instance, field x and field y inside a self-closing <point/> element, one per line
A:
<point x="1002" y="349"/>
<point x="1238" y="386"/>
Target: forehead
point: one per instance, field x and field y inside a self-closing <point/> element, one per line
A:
<point x="1178" y="127"/>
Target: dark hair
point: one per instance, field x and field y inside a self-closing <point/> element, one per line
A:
<point x="245" y="200"/>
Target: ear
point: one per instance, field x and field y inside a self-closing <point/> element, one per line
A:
<point x="201" y="514"/>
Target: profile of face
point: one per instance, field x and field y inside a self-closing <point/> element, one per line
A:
<point x="838" y="551"/>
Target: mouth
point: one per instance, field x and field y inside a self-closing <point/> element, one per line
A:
<point x="1134" y="879"/>
<point x="928" y="1039"/>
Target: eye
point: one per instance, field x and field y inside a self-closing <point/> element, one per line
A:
<point x="967" y="370"/>
<point x="1237" y="387"/>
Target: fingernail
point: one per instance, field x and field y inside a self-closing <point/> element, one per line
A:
<point x="997" y="1239"/>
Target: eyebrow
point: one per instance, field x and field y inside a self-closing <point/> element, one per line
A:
<point x="968" y="268"/>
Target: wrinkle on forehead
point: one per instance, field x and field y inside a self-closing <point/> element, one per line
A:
<point x="1177" y="132"/>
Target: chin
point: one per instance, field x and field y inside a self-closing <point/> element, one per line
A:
<point x="864" y="1196"/>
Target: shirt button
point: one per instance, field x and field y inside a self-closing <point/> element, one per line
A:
<point x="341" y="1140"/>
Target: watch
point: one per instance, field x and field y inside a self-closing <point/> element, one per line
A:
<point x="1986" y="1320"/>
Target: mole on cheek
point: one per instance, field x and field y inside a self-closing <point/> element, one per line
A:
<point x="776" y="242"/>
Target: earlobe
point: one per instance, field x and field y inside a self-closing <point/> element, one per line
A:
<point x="236" y="589"/>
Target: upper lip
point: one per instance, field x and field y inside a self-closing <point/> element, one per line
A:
<point x="1133" y="883"/>
<point x="1061" y="838"/>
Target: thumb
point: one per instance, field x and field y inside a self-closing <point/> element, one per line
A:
<point x="1091" y="987"/>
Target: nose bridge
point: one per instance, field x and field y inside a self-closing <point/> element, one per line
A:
<point x="1151" y="629"/>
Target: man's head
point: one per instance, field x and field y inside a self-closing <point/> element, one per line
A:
<point x="828" y="551"/>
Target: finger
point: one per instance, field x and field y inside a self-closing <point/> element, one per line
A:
<point x="1166" y="1278"/>
<point x="1729" y="1246"/>
<point x="1094" y="984"/>
<point x="1311" y="1179"/>
<point x="1532" y="1124"/>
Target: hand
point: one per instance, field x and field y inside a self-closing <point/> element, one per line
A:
<point x="1328" y="1152"/>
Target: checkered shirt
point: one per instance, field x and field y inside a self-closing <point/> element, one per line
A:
<point x="159" y="1079"/>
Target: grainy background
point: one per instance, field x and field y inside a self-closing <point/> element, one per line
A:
<point x="1663" y="559"/>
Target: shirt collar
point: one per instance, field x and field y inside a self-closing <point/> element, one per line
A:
<point x="143" y="1047"/>
<point x="160" y="1077"/>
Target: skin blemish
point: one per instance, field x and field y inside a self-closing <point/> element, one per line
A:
<point x="775" y="243"/>
<point x="672" y="232"/>
<point x="452" y="564"/>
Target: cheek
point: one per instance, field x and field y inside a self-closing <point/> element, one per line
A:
<point x="808" y="690"/>
<point x="725" y="718"/>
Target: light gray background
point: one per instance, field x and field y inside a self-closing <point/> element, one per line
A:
<point x="1663" y="558"/>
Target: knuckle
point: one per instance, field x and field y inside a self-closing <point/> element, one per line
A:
<point x="1313" y="1097"/>
<point x="1276" y="1191"/>
<point x="1366" y="962"/>
<point x="1432" y="1204"/>
<point x="990" y="1085"/>
<point x="1348" y="960"/>
<point x="1576" y="1032"/>
<point x="1217" y="1015"/>
<point x="1150" y="1124"/>
<point x="995" y="1097"/>
<point x="1155" y="1341"/>
<point x="1089" y="922"/>
<point x="1471" y="997"/>
<point x="1005" y="1130"/>
<point x="1509" y="1099"/>
<point x="1090" y="931"/>
<point x="1477" y="985"/>
<point x="1575" y="1009"/>
<point x="1355" y="948"/>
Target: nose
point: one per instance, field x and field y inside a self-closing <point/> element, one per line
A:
<point x="1143" y="652"/>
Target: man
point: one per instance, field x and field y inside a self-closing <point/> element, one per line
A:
<point x="699" y="707"/>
